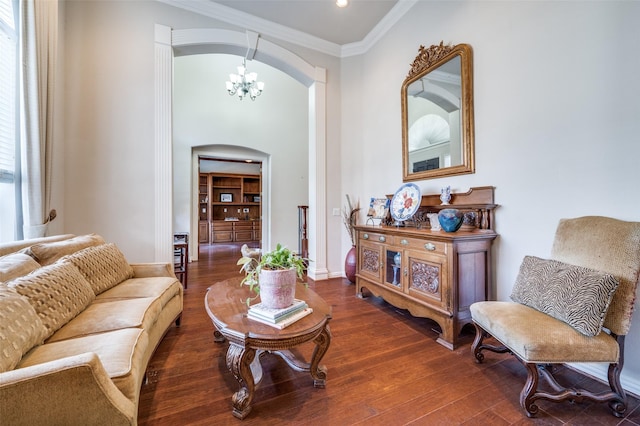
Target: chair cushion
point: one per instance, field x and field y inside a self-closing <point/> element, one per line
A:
<point x="15" y="265"/>
<point x="576" y="295"/>
<point x="48" y="253"/>
<point x="536" y="337"/>
<point x="103" y="266"/>
<point x="20" y="328"/>
<point x="57" y="292"/>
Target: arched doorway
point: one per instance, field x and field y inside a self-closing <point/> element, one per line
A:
<point x="196" y="41"/>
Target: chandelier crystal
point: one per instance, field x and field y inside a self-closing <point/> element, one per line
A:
<point x="244" y="83"/>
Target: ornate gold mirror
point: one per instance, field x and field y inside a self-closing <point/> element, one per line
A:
<point x="437" y="114"/>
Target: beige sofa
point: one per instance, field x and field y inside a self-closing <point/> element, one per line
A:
<point x="78" y="325"/>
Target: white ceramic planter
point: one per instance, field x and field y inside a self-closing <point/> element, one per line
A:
<point x="277" y="287"/>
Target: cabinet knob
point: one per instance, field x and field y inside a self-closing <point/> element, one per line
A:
<point x="430" y="246"/>
<point x="382" y="238"/>
<point x="406" y="271"/>
<point x="365" y="236"/>
<point x="404" y="242"/>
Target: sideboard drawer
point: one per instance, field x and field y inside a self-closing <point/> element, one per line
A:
<point x="375" y="237"/>
<point x="437" y="247"/>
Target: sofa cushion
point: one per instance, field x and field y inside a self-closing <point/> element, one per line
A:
<point x="15" y="265"/>
<point x="58" y="293"/>
<point x="48" y="253"/>
<point x="109" y="316"/>
<point x="121" y="352"/>
<point x="20" y="328"/>
<point x="577" y="295"/>
<point x="103" y="266"/>
<point x="163" y="288"/>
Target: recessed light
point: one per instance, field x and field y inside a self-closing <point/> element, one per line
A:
<point x="342" y="3"/>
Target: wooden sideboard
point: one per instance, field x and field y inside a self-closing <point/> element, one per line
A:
<point x="432" y="274"/>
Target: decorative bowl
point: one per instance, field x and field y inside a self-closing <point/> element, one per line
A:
<point x="450" y="219"/>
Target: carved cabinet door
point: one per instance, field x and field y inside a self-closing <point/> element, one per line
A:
<point x="370" y="260"/>
<point x="426" y="278"/>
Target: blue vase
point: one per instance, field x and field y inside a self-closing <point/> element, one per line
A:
<point x="450" y="219"/>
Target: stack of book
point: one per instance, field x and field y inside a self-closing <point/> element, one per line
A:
<point x="279" y="318"/>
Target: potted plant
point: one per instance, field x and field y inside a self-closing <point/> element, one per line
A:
<point x="273" y="276"/>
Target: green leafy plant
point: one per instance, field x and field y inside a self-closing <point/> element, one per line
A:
<point x="279" y="259"/>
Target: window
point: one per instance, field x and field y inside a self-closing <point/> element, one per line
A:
<point x="9" y="125"/>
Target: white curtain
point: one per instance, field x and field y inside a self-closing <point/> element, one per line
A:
<point x="39" y="37"/>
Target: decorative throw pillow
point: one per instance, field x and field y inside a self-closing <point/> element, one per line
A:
<point x="20" y="328"/>
<point x="103" y="266"/>
<point x="573" y="294"/>
<point x="15" y="265"/>
<point x="57" y="292"/>
<point x="48" y="253"/>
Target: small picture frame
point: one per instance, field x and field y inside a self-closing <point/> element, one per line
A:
<point x="256" y="198"/>
<point x="378" y="208"/>
<point x="226" y="198"/>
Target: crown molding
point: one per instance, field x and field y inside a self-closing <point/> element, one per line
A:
<point x="246" y="21"/>
<point x="253" y="23"/>
<point x="385" y="24"/>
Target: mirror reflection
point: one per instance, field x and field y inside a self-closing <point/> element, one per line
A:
<point x="437" y="114"/>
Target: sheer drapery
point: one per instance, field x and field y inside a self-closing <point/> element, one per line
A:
<point x="38" y="59"/>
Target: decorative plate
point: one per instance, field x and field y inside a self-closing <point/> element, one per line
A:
<point x="405" y="202"/>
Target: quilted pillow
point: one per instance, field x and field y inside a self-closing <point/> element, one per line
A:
<point x="103" y="266"/>
<point x="573" y="294"/>
<point x="20" y="328"/>
<point x="48" y="253"/>
<point x="57" y="292"/>
<point x="16" y="265"/>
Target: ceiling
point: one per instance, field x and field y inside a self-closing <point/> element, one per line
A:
<point x="319" y="18"/>
<point x="316" y="24"/>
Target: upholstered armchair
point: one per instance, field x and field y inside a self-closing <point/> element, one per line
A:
<point x="573" y="308"/>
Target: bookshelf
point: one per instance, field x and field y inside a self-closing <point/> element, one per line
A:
<point x="232" y="208"/>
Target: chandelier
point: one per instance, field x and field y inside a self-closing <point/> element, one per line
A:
<point x="244" y="83"/>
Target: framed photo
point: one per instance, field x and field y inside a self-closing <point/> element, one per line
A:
<point x="226" y="198"/>
<point x="378" y="208"/>
<point x="256" y="198"/>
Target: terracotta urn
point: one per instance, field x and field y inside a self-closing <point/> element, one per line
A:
<point x="350" y="264"/>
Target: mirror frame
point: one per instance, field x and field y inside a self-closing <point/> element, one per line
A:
<point x="427" y="61"/>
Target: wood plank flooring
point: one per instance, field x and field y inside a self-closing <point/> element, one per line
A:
<point x="384" y="368"/>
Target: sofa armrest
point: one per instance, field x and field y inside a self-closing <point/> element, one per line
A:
<point x="144" y="270"/>
<point x="70" y="391"/>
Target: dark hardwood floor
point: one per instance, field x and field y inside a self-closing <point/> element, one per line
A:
<point x="384" y="368"/>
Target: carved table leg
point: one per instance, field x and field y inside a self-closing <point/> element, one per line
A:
<point x="239" y="361"/>
<point x="319" y="372"/>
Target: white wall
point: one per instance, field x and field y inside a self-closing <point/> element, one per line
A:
<point x="556" y="119"/>
<point x="109" y="123"/>
<point x="276" y="123"/>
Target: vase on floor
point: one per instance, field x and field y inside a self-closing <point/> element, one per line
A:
<point x="350" y="264"/>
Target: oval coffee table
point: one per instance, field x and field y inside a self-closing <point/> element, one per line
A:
<point x="249" y="339"/>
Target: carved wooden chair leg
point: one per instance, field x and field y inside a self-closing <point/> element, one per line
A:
<point x="618" y="405"/>
<point x="528" y="393"/>
<point x="478" y="346"/>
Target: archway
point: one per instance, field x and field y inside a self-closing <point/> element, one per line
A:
<point x="196" y="41"/>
